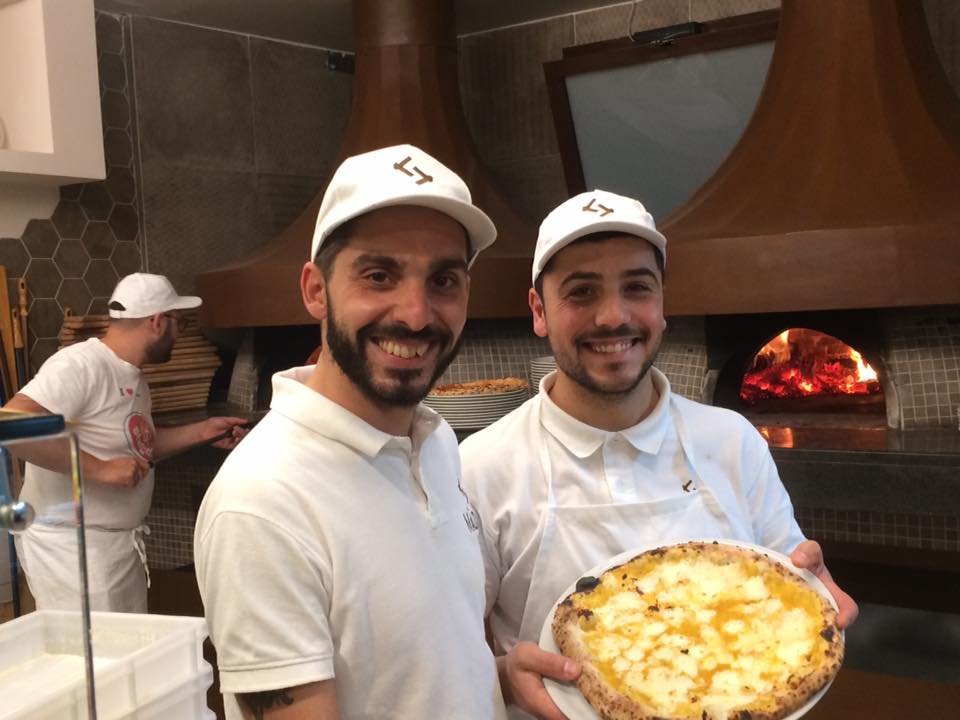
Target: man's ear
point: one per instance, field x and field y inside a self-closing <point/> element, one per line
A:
<point x="313" y="288"/>
<point x="156" y="324"/>
<point x="539" y="316"/>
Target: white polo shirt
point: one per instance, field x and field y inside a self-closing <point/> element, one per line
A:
<point x="326" y="548"/>
<point x="504" y="477"/>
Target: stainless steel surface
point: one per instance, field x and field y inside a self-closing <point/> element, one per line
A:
<point x="16" y="515"/>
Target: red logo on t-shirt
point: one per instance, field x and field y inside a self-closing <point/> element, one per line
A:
<point x="139" y="432"/>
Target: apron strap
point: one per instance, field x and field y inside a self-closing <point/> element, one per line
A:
<point x="136" y="535"/>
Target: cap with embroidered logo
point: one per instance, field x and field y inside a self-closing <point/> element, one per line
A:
<point x="593" y="212"/>
<point x="141" y="295"/>
<point x="399" y="175"/>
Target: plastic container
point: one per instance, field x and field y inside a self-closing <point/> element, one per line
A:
<point x="188" y="701"/>
<point x="140" y="661"/>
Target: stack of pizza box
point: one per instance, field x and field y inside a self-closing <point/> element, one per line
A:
<point x="181" y="383"/>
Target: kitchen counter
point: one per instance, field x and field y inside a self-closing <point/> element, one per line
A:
<point x="857" y="695"/>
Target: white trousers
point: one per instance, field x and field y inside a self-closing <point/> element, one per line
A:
<point x="116" y="568"/>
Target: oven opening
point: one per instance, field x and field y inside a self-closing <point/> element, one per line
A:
<point x="802" y="369"/>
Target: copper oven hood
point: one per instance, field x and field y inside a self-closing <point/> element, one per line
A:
<point x="844" y="190"/>
<point x="405" y="91"/>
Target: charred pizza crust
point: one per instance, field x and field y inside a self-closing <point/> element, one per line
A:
<point x="603" y="624"/>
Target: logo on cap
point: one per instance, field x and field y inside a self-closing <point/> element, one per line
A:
<point x="402" y="167"/>
<point x="590" y="208"/>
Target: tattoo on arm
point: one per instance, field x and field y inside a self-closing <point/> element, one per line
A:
<point x="260" y="701"/>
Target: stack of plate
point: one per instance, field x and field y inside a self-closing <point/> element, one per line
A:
<point x="472" y="412"/>
<point x="538" y="368"/>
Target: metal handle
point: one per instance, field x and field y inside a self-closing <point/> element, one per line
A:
<point x="16" y="515"/>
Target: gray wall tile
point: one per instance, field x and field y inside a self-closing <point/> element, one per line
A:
<point x="300" y="108"/>
<point x="611" y="22"/>
<point x="193" y="95"/>
<point x="503" y="89"/>
<point x="702" y="10"/>
<point x="196" y="219"/>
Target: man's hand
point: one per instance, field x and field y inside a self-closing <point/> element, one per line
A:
<point x="521" y="677"/>
<point x="217" y="426"/>
<point x="809" y="556"/>
<point x="126" y="471"/>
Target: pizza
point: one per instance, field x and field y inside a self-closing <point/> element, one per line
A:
<point x="703" y="631"/>
<point x="480" y="387"/>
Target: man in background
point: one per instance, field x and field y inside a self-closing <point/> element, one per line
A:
<point x="99" y="387"/>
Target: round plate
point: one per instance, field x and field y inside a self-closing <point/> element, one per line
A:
<point x="568" y="697"/>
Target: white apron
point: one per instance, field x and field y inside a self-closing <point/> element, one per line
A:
<point x="578" y="537"/>
<point x="116" y="567"/>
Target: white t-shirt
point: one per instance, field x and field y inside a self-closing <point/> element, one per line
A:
<point x="107" y="400"/>
<point x="503" y="476"/>
<point x="326" y="548"/>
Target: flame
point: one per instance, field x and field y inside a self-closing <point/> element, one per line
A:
<point x="800" y="362"/>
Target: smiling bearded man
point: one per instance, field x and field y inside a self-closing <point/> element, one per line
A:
<point x="606" y="458"/>
<point x="344" y="504"/>
<point x="354" y="361"/>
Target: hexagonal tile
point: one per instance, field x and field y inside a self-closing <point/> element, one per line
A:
<point x="115" y="109"/>
<point x="98" y="306"/>
<point x="45" y="318"/>
<point x="109" y="34"/>
<point x="126" y="258"/>
<point x="40" y="238"/>
<point x="74" y="294"/>
<point x="71" y="192"/>
<point x="101" y="278"/>
<point x="41" y="352"/>
<point x="96" y="200"/>
<point x="125" y="223"/>
<point x="43" y="278"/>
<point x="71" y="258"/>
<point x="99" y="240"/>
<point x="117" y="147"/>
<point x="112" y="72"/>
<point x="69" y="219"/>
<point x="121" y="184"/>
<point x="13" y="256"/>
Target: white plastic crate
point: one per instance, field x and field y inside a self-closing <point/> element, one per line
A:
<point x="138" y="659"/>
<point x="188" y="701"/>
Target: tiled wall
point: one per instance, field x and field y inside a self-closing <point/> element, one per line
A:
<point x="74" y="258"/>
<point x="238" y="134"/>
<point x="928" y="531"/>
<point x="923" y="359"/>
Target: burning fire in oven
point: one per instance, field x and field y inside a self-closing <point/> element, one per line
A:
<point x="803" y="363"/>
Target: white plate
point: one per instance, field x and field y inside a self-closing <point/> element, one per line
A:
<point x="568" y="697"/>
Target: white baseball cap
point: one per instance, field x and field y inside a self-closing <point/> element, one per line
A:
<point x="141" y="295"/>
<point x="592" y="212"/>
<point x="399" y="175"/>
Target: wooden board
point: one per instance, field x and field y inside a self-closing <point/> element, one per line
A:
<point x="6" y="330"/>
<point x="181" y="383"/>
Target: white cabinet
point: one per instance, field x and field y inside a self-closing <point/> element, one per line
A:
<point x="49" y="92"/>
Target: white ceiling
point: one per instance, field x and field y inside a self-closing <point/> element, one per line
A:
<point x="327" y="23"/>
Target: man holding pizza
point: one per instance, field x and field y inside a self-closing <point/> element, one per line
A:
<point x="605" y="458"/>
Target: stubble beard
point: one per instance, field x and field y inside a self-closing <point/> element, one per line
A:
<point x="575" y="370"/>
<point x="161" y="349"/>
<point x="351" y="357"/>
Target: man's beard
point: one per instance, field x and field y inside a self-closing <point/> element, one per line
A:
<point x="352" y="359"/>
<point x="574" y="369"/>
<point x="161" y="349"/>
